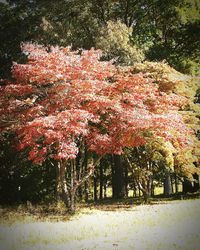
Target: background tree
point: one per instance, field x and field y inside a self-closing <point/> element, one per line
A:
<point x="170" y="81"/>
<point x="145" y="161"/>
<point x="163" y="30"/>
<point x="22" y="181"/>
<point x="117" y="45"/>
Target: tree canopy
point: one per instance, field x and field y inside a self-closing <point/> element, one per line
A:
<point x="163" y="30"/>
<point x="61" y="99"/>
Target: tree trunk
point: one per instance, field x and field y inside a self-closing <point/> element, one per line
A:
<point x="78" y="169"/>
<point x="72" y="207"/>
<point x="152" y="188"/>
<point x="86" y="192"/>
<point x="149" y="185"/>
<point x="126" y="180"/>
<point x="145" y="188"/>
<point x="134" y="189"/>
<point x="176" y="183"/>
<point x="196" y="182"/>
<point x="167" y="184"/>
<point x="95" y="188"/>
<point x="105" y="189"/>
<point x="146" y="195"/>
<point x="172" y="184"/>
<point x="62" y="192"/>
<point x="101" y="177"/>
<point x="118" y="184"/>
<point x="67" y="193"/>
<point x="105" y="183"/>
<point x="187" y="186"/>
<point x="113" y="181"/>
<point x="86" y="186"/>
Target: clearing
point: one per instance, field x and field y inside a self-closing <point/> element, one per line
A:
<point x="170" y="225"/>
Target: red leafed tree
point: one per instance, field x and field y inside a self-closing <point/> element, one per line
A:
<point x="62" y="104"/>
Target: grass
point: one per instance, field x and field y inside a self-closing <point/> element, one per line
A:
<point x="169" y="225"/>
<point x="158" y="190"/>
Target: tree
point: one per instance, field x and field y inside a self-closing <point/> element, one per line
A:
<point x="114" y="41"/>
<point x="118" y="177"/>
<point x="186" y="160"/>
<point x="46" y="108"/>
<point x="145" y="161"/>
<point x="64" y="103"/>
<point x="169" y="30"/>
<point x="22" y="181"/>
<point x="56" y="23"/>
<point x="163" y="30"/>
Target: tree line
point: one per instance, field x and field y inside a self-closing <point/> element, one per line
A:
<point x="155" y="29"/>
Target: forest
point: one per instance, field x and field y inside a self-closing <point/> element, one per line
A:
<point x="99" y="100"/>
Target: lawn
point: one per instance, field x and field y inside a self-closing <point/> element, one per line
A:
<point x="169" y="225"/>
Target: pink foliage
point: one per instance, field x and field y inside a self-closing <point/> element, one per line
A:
<point x="60" y="96"/>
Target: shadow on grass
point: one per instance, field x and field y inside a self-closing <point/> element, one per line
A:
<point x="58" y="212"/>
<point x="110" y="204"/>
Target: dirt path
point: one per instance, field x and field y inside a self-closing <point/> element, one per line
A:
<point x="175" y="225"/>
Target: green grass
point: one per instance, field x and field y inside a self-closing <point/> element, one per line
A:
<point x="157" y="191"/>
<point x="170" y="225"/>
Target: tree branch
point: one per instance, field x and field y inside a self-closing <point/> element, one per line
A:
<point x="91" y="171"/>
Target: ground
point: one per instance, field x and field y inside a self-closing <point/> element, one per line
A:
<point x="170" y="225"/>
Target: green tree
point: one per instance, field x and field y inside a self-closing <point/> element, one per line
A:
<point x="170" y="30"/>
<point x="164" y="30"/>
<point x="186" y="161"/>
<point x="114" y="41"/>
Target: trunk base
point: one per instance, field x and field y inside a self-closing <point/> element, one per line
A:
<point x="146" y="198"/>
